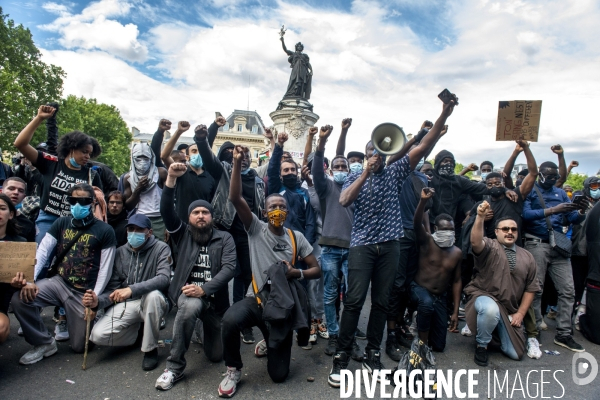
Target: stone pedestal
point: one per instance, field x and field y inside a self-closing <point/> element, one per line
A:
<point x="294" y="116"/>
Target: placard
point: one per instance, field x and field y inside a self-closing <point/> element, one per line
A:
<point x="17" y="257"/>
<point x="518" y="118"/>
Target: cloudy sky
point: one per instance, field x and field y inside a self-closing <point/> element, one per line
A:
<point x="374" y="61"/>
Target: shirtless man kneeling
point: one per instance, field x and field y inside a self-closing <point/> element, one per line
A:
<point x="439" y="263"/>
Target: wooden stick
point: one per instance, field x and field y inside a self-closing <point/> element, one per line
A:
<point x="88" y="314"/>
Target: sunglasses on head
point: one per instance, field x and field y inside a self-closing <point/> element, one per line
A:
<point x="595" y="185"/>
<point x="506" y="229"/>
<point x="84" y="201"/>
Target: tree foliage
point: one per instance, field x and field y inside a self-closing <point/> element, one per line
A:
<point x="26" y="81"/>
<point x="101" y="121"/>
<point x="576" y="181"/>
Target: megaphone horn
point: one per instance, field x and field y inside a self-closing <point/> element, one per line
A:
<point x="388" y="138"/>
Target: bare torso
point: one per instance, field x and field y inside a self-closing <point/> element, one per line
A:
<point x="437" y="266"/>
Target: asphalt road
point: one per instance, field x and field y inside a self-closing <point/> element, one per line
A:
<point x="116" y="373"/>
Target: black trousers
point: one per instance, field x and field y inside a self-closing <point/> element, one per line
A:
<point x="374" y="264"/>
<point x="243" y="277"/>
<point x="405" y="274"/>
<point x="246" y="314"/>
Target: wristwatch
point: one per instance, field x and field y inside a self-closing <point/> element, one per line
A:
<point x="301" y="275"/>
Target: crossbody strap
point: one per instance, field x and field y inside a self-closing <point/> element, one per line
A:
<point x="294" y="247"/>
<point x="64" y="252"/>
<point x="548" y="224"/>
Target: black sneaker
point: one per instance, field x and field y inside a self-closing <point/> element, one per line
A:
<point x="340" y="362"/>
<point x="404" y="341"/>
<point x="360" y="334"/>
<point x="481" y="356"/>
<point x="357" y="353"/>
<point x="247" y="336"/>
<point x="150" y="360"/>
<point x="372" y="362"/>
<point x="569" y="343"/>
<point x="392" y="349"/>
<point x="331" y="345"/>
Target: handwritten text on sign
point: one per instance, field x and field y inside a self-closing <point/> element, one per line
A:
<point x="519" y="118"/>
<point x="16" y="257"/>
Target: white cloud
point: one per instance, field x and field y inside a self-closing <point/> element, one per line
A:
<point x="93" y="29"/>
<point x="366" y="68"/>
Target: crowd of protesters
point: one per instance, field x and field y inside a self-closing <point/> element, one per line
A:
<point x="303" y="243"/>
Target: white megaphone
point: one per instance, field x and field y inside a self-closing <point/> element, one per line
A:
<point x="388" y="138"/>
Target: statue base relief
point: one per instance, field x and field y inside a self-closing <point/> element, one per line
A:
<point x="294" y="116"/>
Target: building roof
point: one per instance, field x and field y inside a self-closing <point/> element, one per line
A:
<point x="252" y="118"/>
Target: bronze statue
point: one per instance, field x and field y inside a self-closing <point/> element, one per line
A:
<point x="301" y="77"/>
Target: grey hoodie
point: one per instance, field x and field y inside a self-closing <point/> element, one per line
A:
<point x="143" y="271"/>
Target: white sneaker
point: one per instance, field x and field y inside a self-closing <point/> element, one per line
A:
<point x="260" y="350"/>
<point x="61" y="333"/>
<point x="543" y="325"/>
<point x="20" y="331"/>
<point x="167" y="380"/>
<point x="38" y="352"/>
<point x="229" y="384"/>
<point x="533" y="348"/>
<point x="579" y="312"/>
<point x="466" y="331"/>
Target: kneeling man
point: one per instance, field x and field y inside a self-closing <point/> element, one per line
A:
<point x="137" y="288"/>
<point x="502" y="289"/>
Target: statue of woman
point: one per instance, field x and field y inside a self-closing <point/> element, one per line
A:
<point x="301" y="77"/>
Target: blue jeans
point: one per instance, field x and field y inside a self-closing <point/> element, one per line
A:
<point x="43" y="223"/>
<point x="488" y="320"/>
<point x="333" y="259"/>
<point x="432" y="315"/>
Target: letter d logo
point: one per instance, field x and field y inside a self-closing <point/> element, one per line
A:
<point x="589" y="365"/>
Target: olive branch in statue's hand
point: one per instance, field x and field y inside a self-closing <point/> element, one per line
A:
<point x="282" y="31"/>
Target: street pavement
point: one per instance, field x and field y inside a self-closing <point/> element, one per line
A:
<point x="116" y="373"/>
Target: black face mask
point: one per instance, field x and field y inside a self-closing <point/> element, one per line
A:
<point x="227" y="156"/>
<point x="496" y="191"/>
<point x="290" y="181"/>
<point x="446" y="170"/>
<point x="546" y="183"/>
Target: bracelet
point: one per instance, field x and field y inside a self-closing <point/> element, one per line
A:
<point x="301" y="275"/>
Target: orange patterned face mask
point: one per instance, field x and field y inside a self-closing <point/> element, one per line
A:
<point x="277" y="218"/>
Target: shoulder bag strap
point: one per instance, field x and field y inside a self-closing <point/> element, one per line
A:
<point x="294" y="248"/>
<point x="543" y="206"/>
<point x="64" y="252"/>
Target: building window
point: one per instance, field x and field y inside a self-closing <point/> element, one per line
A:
<point x="240" y="127"/>
<point x="255" y="153"/>
<point x="254" y="128"/>
<point x="226" y="126"/>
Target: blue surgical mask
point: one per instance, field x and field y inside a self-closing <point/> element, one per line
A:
<point x="19" y="206"/>
<point x="595" y="194"/>
<point x="245" y="171"/>
<point x="80" y="212"/>
<point x="356" y="167"/>
<point x="136" y="239"/>
<point x="196" y="161"/>
<point x="74" y="163"/>
<point x="340" y="177"/>
<point x="484" y="175"/>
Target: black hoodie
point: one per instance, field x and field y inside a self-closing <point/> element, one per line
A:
<point x="448" y="189"/>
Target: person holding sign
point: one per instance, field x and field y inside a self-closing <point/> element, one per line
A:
<point x="86" y="251"/>
<point x="8" y="233"/>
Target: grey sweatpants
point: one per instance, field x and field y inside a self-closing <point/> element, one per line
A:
<point x="52" y="292"/>
<point x="120" y="324"/>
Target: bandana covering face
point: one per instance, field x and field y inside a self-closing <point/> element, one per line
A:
<point x="444" y="238"/>
<point x="447" y="170"/>
<point x="141" y="167"/>
<point x="277" y="218"/>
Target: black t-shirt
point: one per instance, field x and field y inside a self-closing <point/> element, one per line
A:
<point x="191" y="187"/>
<point x="26" y="227"/>
<point x="80" y="266"/>
<point x="504" y="208"/>
<point x="201" y="272"/>
<point x="6" y="290"/>
<point x="58" y="179"/>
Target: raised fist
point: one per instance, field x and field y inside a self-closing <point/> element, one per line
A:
<point x="312" y="131"/>
<point x="164" y="125"/>
<point x="45" y="112"/>
<point x="574" y="164"/>
<point x="221" y="121"/>
<point x="557" y="149"/>
<point x="239" y="152"/>
<point x="201" y="131"/>
<point x="183" y="126"/>
<point x="346" y="123"/>
<point x="268" y="133"/>
<point x="427" y="193"/>
<point x="483" y="208"/>
<point x="325" y="131"/>
<point x="472" y="167"/>
<point x="177" y="169"/>
<point x="282" y="138"/>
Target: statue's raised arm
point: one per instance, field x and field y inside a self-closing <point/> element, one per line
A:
<point x="289" y="53"/>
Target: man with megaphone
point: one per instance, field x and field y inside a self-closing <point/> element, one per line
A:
<point x="374" y="245"/>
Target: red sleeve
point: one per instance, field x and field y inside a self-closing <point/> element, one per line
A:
<point x="45" y="161"/>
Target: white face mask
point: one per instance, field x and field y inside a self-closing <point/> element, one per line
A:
<point x="444" y="238"/>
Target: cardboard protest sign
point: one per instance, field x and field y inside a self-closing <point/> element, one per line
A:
<point x="518" y="118"/>
<point x="17" y="257"/>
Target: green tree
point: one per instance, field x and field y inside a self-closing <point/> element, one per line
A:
<point x="25" y="81"/>
<point x="101" y="121"/>
<point x="576" y="181"/>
